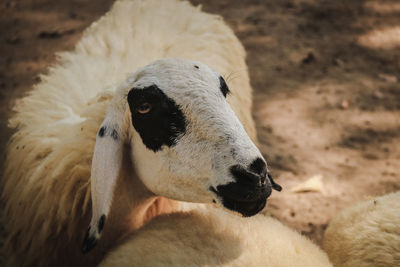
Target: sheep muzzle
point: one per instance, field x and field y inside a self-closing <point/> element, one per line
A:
<point x="249" y="192"/>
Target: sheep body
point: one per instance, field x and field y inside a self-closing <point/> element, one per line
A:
<point x="212" y="237"/>
<point x="46" y="185"/>
<point x="366" y="234"/>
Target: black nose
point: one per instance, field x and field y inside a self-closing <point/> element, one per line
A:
<point x="259" y="167"/>
<point x="249" y="192"/>
<point x="251" y="183"/>
<point x="247" y="186"/>
<point x="247" y="179"/>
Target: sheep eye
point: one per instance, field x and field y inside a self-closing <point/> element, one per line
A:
<point x="144" y="108"/>
<point x="157" y="118"/>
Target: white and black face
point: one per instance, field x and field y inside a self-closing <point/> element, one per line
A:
<point x="187" y="143"/>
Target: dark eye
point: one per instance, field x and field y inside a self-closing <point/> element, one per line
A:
<point x="144" y="108"/>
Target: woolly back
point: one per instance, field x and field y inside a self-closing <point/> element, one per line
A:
<point x="46" y="185"/>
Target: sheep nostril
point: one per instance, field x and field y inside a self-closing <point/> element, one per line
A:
<point x="263" y="178"/>
<point x="258" y="166"/>
<point x="244" y="177"/>
<point x="263" y="181"/>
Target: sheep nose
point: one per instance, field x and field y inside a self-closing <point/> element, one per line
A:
<point x="249" y="192"/>
<point x="255" y="179"/>
<point x="259" y="167"/>
<point x="250" y="182"/>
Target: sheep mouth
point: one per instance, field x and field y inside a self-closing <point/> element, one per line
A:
<point x="245" y="207"/>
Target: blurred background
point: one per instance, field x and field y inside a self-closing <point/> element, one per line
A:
<point x="326" y="90"/>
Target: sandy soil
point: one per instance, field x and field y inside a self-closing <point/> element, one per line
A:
<point x="325" y="76"/>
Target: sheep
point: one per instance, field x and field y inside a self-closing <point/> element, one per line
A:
<point x="185" y="142"/>
<point x="86" y="153"/>
<point x="366" y="234"/>
<point x="212" y="237"/>
<point x="46" y="186"/>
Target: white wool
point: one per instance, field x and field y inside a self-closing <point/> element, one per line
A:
<point x="49" y="157"/>
<point x="47" y="178"/>
<point x="366" y="234"/>
<point x="213" y="237"/>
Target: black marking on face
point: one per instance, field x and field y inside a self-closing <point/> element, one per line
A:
<point x="106" y="131"/>
<point x="222" y="85"/>
<point x="89" y="242"/>
<point x="163" y="124"/>
<point x="249" y="192"/>
<point x="247" y="207"/>
<point x="196" y="66"/>
<point x="258" y="166"/>
<point x="102" y="131"/>
<point x="100" y="225"/>
<point x="114" y="134"/>
<point x="233" y="152"/>
<point x="248" y="180"/>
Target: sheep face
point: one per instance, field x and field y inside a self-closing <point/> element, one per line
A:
<point x="186" y="142"/>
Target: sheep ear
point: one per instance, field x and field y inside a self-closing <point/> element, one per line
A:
<point x="106" y="164"/>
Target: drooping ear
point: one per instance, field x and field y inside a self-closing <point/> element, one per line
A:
<point x="106" y="164"/>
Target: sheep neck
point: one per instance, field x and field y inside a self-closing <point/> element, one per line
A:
<point x="134" y="205"/>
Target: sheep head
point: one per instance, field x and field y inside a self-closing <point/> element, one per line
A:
<point x="186" y="143"/>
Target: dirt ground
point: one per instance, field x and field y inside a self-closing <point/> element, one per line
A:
<point x="326" y="89"/>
